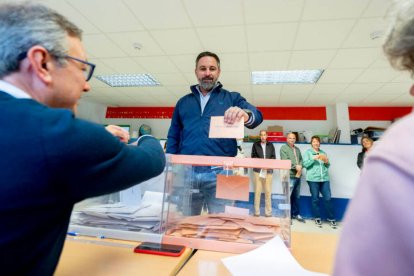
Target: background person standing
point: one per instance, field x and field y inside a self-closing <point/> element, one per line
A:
<point x="367" y="144"/>
<point x="262" y="177"/>
<point x="317" y="163"/>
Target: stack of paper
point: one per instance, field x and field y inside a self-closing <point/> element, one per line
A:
<point x="227" y="227"/>
<point x="121" y="216"/>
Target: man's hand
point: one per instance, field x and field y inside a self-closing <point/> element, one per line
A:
<point x="119" y="132"/>
<point x="235" y="114"/>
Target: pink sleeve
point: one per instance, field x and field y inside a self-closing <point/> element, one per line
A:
<point x="377" y="236"/>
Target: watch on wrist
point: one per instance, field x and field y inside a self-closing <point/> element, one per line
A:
<point x="248" y="113"/>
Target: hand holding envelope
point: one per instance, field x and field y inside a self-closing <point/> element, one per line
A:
<point x="220" y="129"/>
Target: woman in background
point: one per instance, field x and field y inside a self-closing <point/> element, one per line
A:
<point x="317" y="163"/>
<point x="366" y="146"/>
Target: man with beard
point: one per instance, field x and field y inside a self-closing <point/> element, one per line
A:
<point x="190" y="124"/>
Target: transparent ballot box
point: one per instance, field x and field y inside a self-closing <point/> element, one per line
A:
<point x="131" y="214"/>
<point x="210" y="202"/>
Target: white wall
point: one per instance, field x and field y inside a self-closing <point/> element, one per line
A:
<point x="160" y="126"/>
<point x="91" y="111"/>
<point x="343" y="171"/>
<point x="365" y="124"/>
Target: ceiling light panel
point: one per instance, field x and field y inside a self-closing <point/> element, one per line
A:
<point x="294" y="76"/>
<point x="129" y="80"/>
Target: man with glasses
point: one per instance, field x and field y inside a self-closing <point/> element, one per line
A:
<point x="49" y="160"/>
<point x="88" y="67"/>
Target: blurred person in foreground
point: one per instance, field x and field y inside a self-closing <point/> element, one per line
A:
<point x="49" y="159"/>
<point x="377" y="236"/>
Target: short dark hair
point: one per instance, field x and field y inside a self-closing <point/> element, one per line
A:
<point x="208" y="54"/>
<point x="316" y="137"/>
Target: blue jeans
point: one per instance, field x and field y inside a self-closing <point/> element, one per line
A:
<point x="295" y="196"/>
<point x="200" y="192"/>
<point x="325" y="189"/>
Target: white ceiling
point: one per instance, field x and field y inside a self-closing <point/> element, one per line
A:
<point x="247" y="35"/>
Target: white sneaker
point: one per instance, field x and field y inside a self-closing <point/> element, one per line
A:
<point x="300" y="219"/>
<point x="333" y="224"/>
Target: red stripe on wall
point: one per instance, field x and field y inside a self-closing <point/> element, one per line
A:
<point x="269" y="113"/>
<point x="371" y="113"/>
<point x="140" y="112"/>
<point x="356" y="113"/>
<point x="293" y="113"/>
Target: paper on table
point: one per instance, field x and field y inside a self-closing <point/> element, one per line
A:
<point x="272" y="258"/>
<point x="152" y="198"/>
<point x="219" y="129"/>
<point x="234" y="187"/>
<point x="131" y="196"/>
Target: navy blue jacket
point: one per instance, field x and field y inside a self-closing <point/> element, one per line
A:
<point x="188" y="133"/>
<point x="50" y="160"/>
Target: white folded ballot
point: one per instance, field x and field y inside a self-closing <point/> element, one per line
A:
<point x="122" y="216"/>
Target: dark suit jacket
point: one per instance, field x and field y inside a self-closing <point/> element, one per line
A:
<point x="49" y="160"/>
<point x="257" y="152"/>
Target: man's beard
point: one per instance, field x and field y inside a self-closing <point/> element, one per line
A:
<point x="207" y="85"/>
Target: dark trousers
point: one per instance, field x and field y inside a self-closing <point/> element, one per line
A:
<point x="325" y="189"/>
<point x="295" y="196"/>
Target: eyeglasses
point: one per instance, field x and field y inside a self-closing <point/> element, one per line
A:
<point x="88" y="71"/>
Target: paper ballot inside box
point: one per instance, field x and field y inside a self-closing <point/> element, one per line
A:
<point x="233" y="187"/>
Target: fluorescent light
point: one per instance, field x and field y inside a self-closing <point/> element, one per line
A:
<point x="294" y="76"/>
<point x="128" y="80"/>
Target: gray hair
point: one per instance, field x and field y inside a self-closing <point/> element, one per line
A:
<point x="25" y="25"/>
<point x="399" y="43"/>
